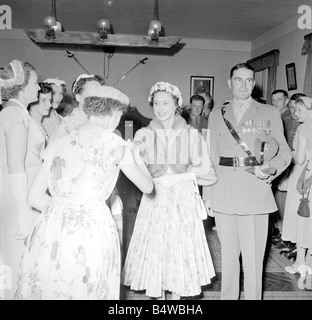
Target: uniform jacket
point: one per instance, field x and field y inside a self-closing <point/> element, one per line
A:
<point x="238" y="191"/>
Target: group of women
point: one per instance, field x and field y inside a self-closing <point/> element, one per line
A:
<point x="58" y="236"/>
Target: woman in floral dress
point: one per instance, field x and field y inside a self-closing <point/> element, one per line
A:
<point x="74" y="251"/>
<point x="168" y="250"/>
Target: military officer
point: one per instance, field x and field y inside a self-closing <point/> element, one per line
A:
<point x="242" y="199"/>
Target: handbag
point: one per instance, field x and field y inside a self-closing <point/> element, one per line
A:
<point x="304" y="207"/>
<point x="199" y="203"/>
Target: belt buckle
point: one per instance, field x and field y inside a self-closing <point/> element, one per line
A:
<point x="235" y="162"/>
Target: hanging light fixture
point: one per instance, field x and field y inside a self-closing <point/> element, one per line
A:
<point x="154" y="28"/>
<point x="51" y="23"/>
<point x="103" y="36"/>
<point x="103" y="28"/>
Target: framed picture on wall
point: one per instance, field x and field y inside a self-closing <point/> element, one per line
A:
<point x="291" y="76"/>
<point x="202" y="84"/>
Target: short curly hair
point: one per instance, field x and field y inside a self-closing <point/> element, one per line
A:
<point x="77" y="86"/>
<point x="7" y="73"/>
<point x="98" y="106"/>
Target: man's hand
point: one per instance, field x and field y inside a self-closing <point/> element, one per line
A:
<point x="208" y="208"/>
<point x="264" y="172"/>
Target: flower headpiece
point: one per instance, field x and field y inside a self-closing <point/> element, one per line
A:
<point x="18" y="76"/>
<point x="166" y="87"/>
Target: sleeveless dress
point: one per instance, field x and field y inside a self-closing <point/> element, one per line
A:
<point x="11" y="249"/>
<point x="168" y="249"/>
<point x="304" y="225"/>
<point x="74" y="250"/>
<point x="291" y="218"/>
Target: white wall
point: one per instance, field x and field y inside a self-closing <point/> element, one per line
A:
<point x="197" y="58"/>
<point x="288" y="38"/>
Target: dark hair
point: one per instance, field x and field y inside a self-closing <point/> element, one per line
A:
<point x="296" y="96"/>
<point x="242" y="65"/>
<point x="7" y="73"/>
<point x="45" y="88"/>
<point x="197" y="97"/>
<point x="97" y="106"/>
<point x="62" y="85"/>
<point x="285" y="94"/>
<point x="81" y="82"/>
<point x="175" y="99"/>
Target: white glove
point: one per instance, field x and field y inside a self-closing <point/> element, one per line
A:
<point x="169" y="181"/>
<point x="208" y="207"/>
<point x="117" y="210"/>
<point x="166" y="181"/>
<point x="26" y="216"/>
<point x="264" y="172"/>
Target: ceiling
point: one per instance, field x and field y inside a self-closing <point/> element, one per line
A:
<point x="238" y="20"/>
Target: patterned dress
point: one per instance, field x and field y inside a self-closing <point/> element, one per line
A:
<point x="168" y="249"/>
<point x="74" y="250"/>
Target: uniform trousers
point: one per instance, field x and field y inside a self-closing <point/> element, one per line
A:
<point x="244" y="235"/>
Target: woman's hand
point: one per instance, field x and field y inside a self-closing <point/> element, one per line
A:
<point x="26" y="223"/>
<point x="166" y="181"/>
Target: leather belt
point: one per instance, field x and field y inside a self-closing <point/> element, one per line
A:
<point x="238" y="161"/>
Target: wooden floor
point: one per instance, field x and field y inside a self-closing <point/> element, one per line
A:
<point x="277" y="283"/>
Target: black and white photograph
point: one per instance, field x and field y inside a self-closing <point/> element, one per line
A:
<point x="291" y="76"/>
<point x="201" y="84"/>
<point x="156" y="154"/>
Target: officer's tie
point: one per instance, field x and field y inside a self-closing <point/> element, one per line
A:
<point x="239" y="112"/>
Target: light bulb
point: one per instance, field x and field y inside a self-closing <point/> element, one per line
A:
<point x="49" y="21"/>
<point x="103" y="24"/>
<point x="155" y="24"/>
<point x="108" y="3"/>
<point x="57" y="27"/>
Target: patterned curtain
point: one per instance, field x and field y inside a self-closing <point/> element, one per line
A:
<point x="307" y="50"/>
<point x="270" y="61"/>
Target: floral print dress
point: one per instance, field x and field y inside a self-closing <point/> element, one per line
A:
<point x="73" y="252"/>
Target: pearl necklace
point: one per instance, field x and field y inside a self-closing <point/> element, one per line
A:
<point x="44" y="131"/>
<point x="19" y="103"/>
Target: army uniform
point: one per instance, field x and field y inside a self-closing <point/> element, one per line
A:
<point x="241" y="201"/>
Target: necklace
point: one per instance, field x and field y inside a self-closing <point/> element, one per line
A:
<point x="19" y="103"/>
<point x="44" y="131"/>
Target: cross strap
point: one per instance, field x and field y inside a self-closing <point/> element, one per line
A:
<point x="237" y="138"/>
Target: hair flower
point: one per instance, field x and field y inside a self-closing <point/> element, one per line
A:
<point x="166" y="87"/>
